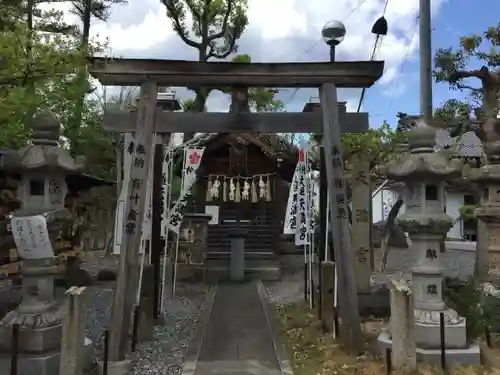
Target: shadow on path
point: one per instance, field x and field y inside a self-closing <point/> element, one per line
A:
<point x="237" y="340"/>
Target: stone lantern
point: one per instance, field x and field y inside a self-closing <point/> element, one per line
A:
<point x="43" y="168"/>
<point x="424" y="173"/>
<point x="489" y="213"/>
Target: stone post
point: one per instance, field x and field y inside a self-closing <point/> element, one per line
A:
<point x="237" y="255"/>
<point x="404" y="355"/>
<point x="361" y="225"/>
<point x="73" y="334"/>
<point x="327" y="295"/>
<point x="489" y="215"/>
<point x="424" y="172"/>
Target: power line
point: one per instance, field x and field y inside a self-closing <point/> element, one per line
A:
<point x="407" y="54"/>
<point x="356" y="8"/>
<point x="376" y="48"/>
<point x="310" y="48"/>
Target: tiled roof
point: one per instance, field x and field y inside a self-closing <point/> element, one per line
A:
<point x="466" y="145"/>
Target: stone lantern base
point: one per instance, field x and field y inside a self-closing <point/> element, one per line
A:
<point x="465" y="356"/>
<point x="46" y="363"/>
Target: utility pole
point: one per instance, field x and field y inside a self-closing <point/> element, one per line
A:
<point x="425" y="61"/>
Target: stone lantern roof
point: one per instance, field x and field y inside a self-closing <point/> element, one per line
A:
<point x="423" y="162"/>
<point x="44" y="151"/>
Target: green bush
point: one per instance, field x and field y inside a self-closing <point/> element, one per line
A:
<point x="481" y="312"/>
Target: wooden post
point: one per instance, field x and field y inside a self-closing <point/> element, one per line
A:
<point x="361" y="224"/>
<point x="347" y="298"/>
<point x="73" y="334"/>
<point x="327" y="295"/>
<point x="404" y="355"/>
<point x="146" y="318"/>
<point x="129" y="266"/>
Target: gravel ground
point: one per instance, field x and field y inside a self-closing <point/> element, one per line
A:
<point x="291" y="287"/>
<point x="165" y="355"/>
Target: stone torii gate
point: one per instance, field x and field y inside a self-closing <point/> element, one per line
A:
<point x="240" y="76"/>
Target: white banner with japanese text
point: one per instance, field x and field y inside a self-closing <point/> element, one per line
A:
<point x="192" y="161"/>
<point x="302" y="200"/>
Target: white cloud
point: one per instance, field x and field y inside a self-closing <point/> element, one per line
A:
<point x="281" y="30"/>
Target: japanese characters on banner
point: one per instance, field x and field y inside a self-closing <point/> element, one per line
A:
<point x="128" y="139"/>
<point x="290" y="225"/>
<point x="192" y="161"/>
<point x="147" y="223"/>
<point x="303" y="197"/>
<point x="166" y="181"/>
<point x="31" y="237"/>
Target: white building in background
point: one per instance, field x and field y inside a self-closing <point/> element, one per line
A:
<point x="469" y="148"/>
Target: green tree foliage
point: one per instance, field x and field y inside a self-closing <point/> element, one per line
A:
<point x="37" y="72"/>
<point x="454" y="66"/>
<point x="260" y="99"/>
<point x="378" y="145"/>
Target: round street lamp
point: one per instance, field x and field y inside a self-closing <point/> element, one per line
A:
<point x="333" y="34"/>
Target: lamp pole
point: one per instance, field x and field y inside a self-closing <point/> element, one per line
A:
<point x="425" y="61"/>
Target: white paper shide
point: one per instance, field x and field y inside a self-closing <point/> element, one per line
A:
<point x="32" y="237"/>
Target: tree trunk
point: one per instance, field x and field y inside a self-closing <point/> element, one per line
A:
<point x="198" y="106"/>
<point x="386" y="235"/>
<point x="81" y="81"/>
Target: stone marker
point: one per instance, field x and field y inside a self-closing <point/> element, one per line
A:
<point x="361" y="225"/>
<point x="404" y="355"/>
<point x="73" y="333"/>
<point x="327" y="295"/>
<point x="146" y="305"/>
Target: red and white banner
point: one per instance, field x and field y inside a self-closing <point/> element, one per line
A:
<point x="192" y="161"/>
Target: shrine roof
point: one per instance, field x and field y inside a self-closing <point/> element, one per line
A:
<point x="269" y="143"/>
<point x="134" y="72"/>
<point x="465" y="145"/>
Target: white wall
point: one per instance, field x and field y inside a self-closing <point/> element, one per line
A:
<point x="385" y="198"/>
<point x="382" y="203"/>
<point x="453" y="203"/>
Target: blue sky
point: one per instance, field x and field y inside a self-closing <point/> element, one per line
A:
<point x="449" y="25"/>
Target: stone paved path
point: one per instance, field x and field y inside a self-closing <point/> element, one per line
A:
<point x="237" y="339"/>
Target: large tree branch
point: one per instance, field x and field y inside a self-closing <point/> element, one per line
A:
<point x="390" y="226"/>
<point x="177" y="25"/>
<point x="225" y="22"/>
<point x="484" y="74"/>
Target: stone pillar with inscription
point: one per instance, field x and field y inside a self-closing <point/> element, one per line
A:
<point x="489" y="213"/>
<point x="424" y="173"/>
<point x="43" y="167"/>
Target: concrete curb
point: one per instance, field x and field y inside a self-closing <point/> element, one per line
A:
<point x="194" y="348"/>
<point x="272" y="324"/>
